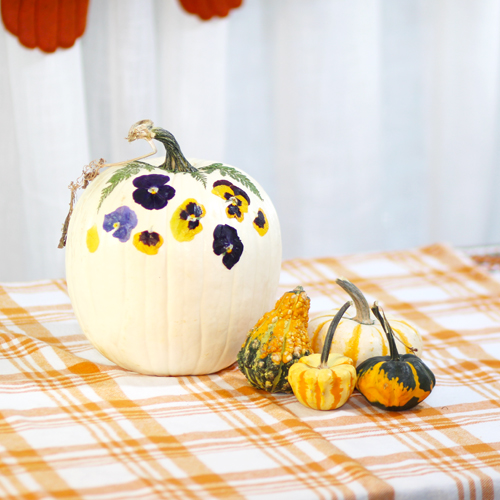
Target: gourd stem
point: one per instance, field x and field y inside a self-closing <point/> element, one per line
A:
<point x="379" y="314"/>
<point x="360" y="302"/>
<point x="329" y="335"/>
<point x="175" y="161"/>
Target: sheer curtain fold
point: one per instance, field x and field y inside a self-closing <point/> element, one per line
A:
<point x="43" y="129"/>
<point x="462" y="85"/>
<point x="373" y="125"/>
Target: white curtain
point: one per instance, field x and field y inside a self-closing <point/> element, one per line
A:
<point x="373" y="125"/>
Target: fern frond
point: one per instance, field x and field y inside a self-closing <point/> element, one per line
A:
<point x="121" y="175"/>
<point x="199" y="177"/>
<point x="195" y="174"/>
<point x="234" y="174"/>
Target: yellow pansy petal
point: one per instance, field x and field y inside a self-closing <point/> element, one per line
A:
<point x="260" y="222"/>
<point x="185" y="223"/>
<point x="148" y="242"/>
<point x="92" y="239"/>
<point x="224" y="190"/>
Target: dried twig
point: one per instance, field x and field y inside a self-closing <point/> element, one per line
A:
<point x="89" y="173"/>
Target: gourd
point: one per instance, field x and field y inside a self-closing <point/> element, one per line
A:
<point x="277" y="341"/>
<point x="362" y="336"/>
<point x="169" y="263"/>
<point x="395" y="382"/>
<point x="324" y="381"/>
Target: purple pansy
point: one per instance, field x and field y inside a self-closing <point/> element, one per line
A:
<point x="121" y="221"/>
<point x="152" y="191"/>
<point x="227" y="243"/>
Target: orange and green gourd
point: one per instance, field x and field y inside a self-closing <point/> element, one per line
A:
<point x="324" y="381"/>
<point x="395" y="382"/>
<point x="277" y="341"/>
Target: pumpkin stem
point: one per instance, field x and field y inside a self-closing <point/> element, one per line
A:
<point x="140" y="130"/>
<point x="380" y="315"/>
<point x="175" y="161"/>
<point x="360" y="302"/>
<point x="329" y="335"/>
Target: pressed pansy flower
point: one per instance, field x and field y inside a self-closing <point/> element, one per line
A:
<point x="121" y="222"/>
<point x="236" y="198"/>
<point x="152" y="191"/>
<point x="148" y="242"/>
<point x="260" y="222"/>
<point x="92" y="239"/>
<point x="185" y="222"/>
<point x="227" y="243"/>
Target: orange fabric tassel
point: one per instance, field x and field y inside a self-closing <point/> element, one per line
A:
<point x="26" y="26"/>
<point x="46" y="27"/>
<point x="10" y="14"/>
<point x="206" y="9"/>
<point x="46" y="24"/>
<point x="49" y="24"/>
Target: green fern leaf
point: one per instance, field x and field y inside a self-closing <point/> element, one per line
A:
<point x="121" y="175"/>
<point x="195" y="174"/>
<point x="234" y="174"/>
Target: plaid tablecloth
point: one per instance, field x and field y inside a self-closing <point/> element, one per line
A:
<point x="73" y="426"/>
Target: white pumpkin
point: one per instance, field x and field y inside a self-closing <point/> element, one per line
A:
<point x="166" y="276"/>
<point x="362" y="336"/>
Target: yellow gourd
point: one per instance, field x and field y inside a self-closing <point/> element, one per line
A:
<point x="324" y="381"/>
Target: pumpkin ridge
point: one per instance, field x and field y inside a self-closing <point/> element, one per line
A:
<point x="336" y="388"/>
<point x="301" y="392"/>
<point x="315" y="336"/>
<point x="385" y="348"/>
<point x="231" y="315"/>
<point x="403" y="339"/>
<point x="352" y="347"/>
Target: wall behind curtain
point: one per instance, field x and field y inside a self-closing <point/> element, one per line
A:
<point x="372" y="124"/>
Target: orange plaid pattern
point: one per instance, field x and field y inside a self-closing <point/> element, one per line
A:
<point x="74" y="426"/>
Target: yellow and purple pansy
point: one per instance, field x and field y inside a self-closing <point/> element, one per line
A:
<point x="121" y="222"/>
<point x="148" y="242"/>
<point x="152" y="191"/>
<point x="260" y="222"/>
<point x="227" y="243"/>
<point x="236" y="198"/>
<point x="185" y="223"/>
